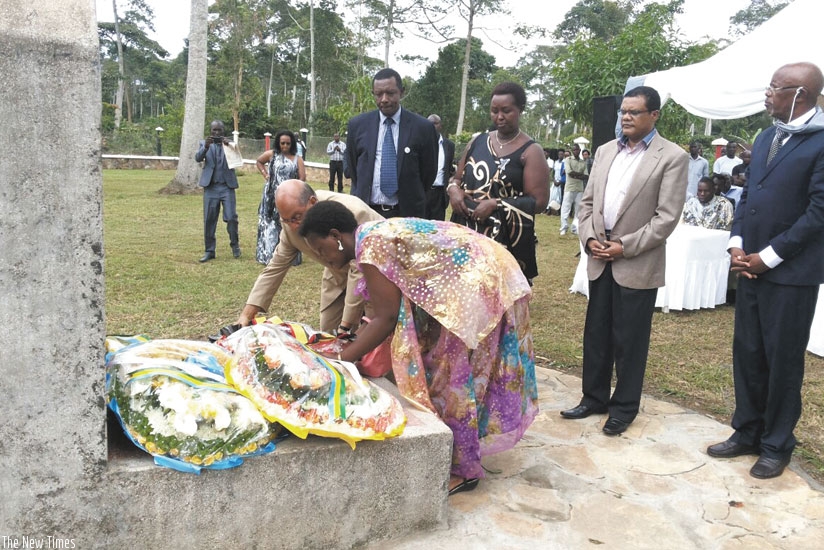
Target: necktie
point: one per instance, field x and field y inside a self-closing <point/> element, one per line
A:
<point x="778" y="141"/>
<point x="389" y="161"/>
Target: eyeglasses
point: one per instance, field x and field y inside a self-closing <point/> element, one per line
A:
<point x="296" y="219"/>
<point x="769" y="90"/>
<point x="633" y="113"/>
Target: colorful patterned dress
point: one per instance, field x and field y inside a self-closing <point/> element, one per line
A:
<point x="463" y="345"/>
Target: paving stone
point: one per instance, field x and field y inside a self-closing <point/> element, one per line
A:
<point x="567" y="485"/>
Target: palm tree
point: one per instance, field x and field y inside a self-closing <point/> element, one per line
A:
<point x="186" y="177"/>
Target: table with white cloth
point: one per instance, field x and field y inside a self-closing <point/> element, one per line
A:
<point x="816" y="344"/>
<point x="697" y="269"/>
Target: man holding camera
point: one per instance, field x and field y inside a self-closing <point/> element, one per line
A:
<point x="335" y="150"/>
<point x="219" y="183"/>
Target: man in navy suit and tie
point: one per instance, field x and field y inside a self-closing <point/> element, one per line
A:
<point x="392" y="153"/>
<point x="219" y="183"/>
<point x="777" y="248"/>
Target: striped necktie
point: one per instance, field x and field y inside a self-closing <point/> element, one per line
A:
<point x="389" y="161"/>
<point x="778" y="141"/>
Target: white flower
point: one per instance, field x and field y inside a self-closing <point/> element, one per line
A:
<point x="184" y="423"/>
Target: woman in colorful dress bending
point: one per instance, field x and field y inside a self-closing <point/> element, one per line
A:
<point x="457" y="304"/>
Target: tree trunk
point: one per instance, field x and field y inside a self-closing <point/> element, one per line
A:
<point x="295" y="82"/>
<point x="188" y="171"/>
<point x="271" y="78"/>
<point x="387" y="36"/>
<point x="236" y="105"/>
<point x="465" y="74"/>
<point x="313" y="102"/>
<point x="121" y="78"/>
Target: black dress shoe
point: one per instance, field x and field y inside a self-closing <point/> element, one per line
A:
<point x="582" y="411"/>
<point x="766" y="468"/>
<point x="465" y="485"/>
<point x="206" y="257"/>
<point x="613" y="426"/>
<point x="236" y="252"/>
<point x="730" y="449"/>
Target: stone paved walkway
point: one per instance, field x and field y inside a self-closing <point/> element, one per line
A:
<point x="567" y="485"/>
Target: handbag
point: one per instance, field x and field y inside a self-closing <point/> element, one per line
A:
<point x="377" y="362"/>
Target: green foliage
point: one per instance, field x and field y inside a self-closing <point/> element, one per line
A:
<point x="747" y="19"/>
<point x="141" y="56"/>
<point x="590" y="68"/>
<point x="134" y="138"/>
<point x="599" y="19"/>
<point x="358" y="100"/>
<point x="439" y="89"/>
<point x="743" y="130"/>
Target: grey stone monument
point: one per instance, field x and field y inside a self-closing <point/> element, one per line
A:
<point x="53" y="432"/>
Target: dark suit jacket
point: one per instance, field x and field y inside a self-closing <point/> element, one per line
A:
<point x="417" y="158"/>
<point x="783" y="206"/>
<point x="221" y="170"/>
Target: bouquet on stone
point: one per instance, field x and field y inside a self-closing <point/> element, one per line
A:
<point x="279" y="367"/>
<point x="173" y="401"/>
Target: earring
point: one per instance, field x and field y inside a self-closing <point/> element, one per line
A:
<point x="340" y="245"/>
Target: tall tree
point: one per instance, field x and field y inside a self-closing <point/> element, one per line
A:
<point x="239" y="29"/>
<point x="591" y="67"/>
<point x="125" y="42"/>
<point x="535" y="71"/>
<point x="601" y="19"/>
<point x="388" y="15"/>
<point x="469" y="10"/>
<point x="445" y="74"/>
<point x="121" y="63"/>
<point x="753" y="15"/>
<point x="186" y="176"/>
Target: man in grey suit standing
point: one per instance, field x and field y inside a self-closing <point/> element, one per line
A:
<point x="392" y="153"/>
<point x="219" y="183"/>
<point x="631" y="205"/>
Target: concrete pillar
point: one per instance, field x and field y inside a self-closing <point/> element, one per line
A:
<point x="52" y="433"/>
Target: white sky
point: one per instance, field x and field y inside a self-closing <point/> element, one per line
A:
<point x="701" y="18"/>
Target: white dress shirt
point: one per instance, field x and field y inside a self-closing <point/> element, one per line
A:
<point x="377" y="196"/>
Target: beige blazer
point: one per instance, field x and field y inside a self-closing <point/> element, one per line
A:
<point x="648" y="215"/>
<point x="334" y="282"/>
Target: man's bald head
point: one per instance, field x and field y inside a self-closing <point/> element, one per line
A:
<point x="292" y="199"/>
<point x="806" y="75"/>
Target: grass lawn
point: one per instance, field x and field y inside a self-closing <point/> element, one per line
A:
<point x="155" y="286"/>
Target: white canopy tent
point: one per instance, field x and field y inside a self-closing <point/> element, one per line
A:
<point x="731" y="83"/>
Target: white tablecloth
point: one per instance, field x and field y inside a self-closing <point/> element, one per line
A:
<point x="697" y="269"/>
<point x="816" y="344"/>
